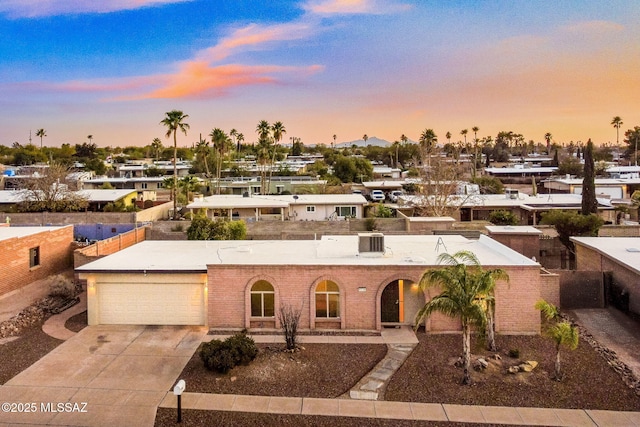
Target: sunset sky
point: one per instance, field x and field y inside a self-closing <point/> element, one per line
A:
<point x="112" y="68"/>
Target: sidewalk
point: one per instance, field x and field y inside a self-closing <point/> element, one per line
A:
<point x="402" y="410"/>
<point x="54" y="326"/>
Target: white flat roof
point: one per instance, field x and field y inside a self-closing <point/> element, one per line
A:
<point x="623" y="250"/>
<point x="194" y="256"/>
<point x="512" y="229"/>
<point x="19" y="232"/>
<point x="258" y="201"/>
<point x="100" y="195"/>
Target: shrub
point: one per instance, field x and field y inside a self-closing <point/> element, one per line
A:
<point x="62" y="287"/>
<point x="370" y="224"/>
<point x="222" y="356"/>
<point x="514" y="353"/>
<point x="503" y="217"/>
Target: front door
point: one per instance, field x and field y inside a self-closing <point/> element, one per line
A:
<point x="390" y="303"/>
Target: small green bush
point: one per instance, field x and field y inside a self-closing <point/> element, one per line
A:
<point x="503" y="217"/>
<point x="222" y="356"/>
<point x="514" y="353"/>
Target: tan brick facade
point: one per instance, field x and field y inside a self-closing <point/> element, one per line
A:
<point x="54" y="257"/>
<point x="361" y="288"/>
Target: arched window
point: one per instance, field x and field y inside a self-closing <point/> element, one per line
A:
<point x="327" y="300"/>
<point x="262" y="299"/>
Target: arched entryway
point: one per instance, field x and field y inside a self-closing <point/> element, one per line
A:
<point x="399" y="302"/>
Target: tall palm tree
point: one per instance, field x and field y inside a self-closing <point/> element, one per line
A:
<point x="465" y="291"/>
<point x="448" y="136"/>
<point x="89" y="137"/>
<point x="278" y="130"/>
<point x="427" y="140"/>
<point x="264" y="143"/>
<point x="561" y="332"/>
<point x="547" y="137"/>
<point x="174" y="120"/>
<point x="156" y="144"/>
<point x="475" y="130"/>
<point x="464" y="133"/>
<point x="220" y="141"/>
<point x="239" y="141"/>
<point x="41" y="133"/>
<point x="365" y="137"/>
<point x="202" y="151"/>
<point x="334" y="141"/>
<point x="617" y="122"/>
<point x="264" y="130"/>
<point x="233" y="133"/>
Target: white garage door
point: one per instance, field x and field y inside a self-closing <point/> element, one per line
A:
<point x="150" y="304"/>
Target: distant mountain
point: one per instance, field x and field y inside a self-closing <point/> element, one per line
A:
<point x="361" y="143"/>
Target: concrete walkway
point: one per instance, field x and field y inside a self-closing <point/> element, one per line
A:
<point x="402" y="410"/>
<point x="54" y="325"/>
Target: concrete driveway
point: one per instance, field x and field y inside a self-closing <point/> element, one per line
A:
<point x="104" y="375"/>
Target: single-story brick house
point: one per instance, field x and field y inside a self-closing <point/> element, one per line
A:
<point x="360" y="282"/>
<point x="28" y="254"/>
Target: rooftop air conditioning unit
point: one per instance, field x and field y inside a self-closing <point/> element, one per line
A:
<point x="371" y="242"/>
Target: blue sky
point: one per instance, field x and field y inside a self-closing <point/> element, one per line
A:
<point x="323" y="67"/>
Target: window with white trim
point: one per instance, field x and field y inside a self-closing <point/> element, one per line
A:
<point x="311" y="208"/>
<point x="327" y="300"/>
<point x="262" y="299"/>
<point x="346" y="211"/>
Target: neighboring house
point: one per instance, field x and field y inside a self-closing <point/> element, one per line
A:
<point x="98" y="199"/>
<point x="32" y="253"/>
<point x="362" y="282"/>
<point x="615" y="188"/>
<point x="147" y="188"/>
<point x="527" y="208"/>
<point x="382" y="171"/>
<point x="139" y="170"/>
<point x="621" y="257"/>
<point x="521" y="170"/>
<point x="277" y="185"/>
<point x="304" y="207"/>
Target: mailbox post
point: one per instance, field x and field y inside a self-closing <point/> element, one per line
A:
<point x="177" y="390"/>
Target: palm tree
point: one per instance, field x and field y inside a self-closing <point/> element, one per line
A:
<point x="264" y="142"/>
<point x="189" y="184"/>
<point x="202" y="151"/>
<point x="334" y="141"/>
<point x="240" y="140"/>
<point x="264" y="130"/>
<point x="466" y="290"/>
<point x="233" y="133"/>
<point x="464" y="133"/>
<point x="448" y="136"/>
<point x="475" y="130"/>
<point x="174" y="120"/>
<point x="89" y="137"/>
<point x="41" y="133"/>
<point x="617" y="122"/>
<point x="547" y="137"/>
<point x="561" y="332"/>
<point x="156" y="144"/>
<point x="365" y="137"/>
<point x="220" y="141"/>
<point x="427" y="140"/>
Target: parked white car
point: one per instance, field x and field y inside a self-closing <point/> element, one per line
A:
<point x="393" y="196"/>
<point x="377" y="196"/>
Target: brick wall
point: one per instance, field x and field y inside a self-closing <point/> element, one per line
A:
<point x="580" y="289"/>
<point x="550" y="287"/>
<point x="55" y="257"/>
<point x="109" y="246"/>
<point x="59" y="218"/>
<point x="229" y="290"/>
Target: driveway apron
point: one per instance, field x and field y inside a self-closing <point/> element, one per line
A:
<point x="104" y="375"/>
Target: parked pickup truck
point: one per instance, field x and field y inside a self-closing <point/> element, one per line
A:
<point x="377" y="196"/>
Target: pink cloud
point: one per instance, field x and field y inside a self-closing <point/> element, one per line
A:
<point x="255" y="35"/>
<point x="40" y="8"/>
<point x="199" y="80"/>
<point x="343" y="7"/>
